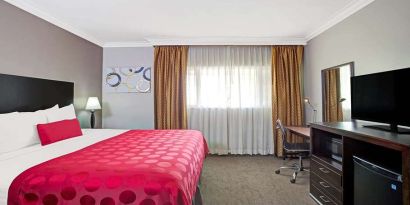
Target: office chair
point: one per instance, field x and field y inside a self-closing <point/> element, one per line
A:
<point x="292" y="149"/>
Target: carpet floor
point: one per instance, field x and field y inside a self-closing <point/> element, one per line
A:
<point x="250" y="180"/>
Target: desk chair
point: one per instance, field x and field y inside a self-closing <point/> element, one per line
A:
<point x="292" y="149"/>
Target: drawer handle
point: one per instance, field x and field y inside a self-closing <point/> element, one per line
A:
<point x="324" y="199"/>
<point x="324" y="185"/>
<point x="323" y="170"/>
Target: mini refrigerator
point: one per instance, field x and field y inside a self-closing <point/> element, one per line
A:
<point x="375" y="185"/>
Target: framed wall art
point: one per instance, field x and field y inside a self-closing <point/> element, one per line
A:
<point x="127" y="79"/>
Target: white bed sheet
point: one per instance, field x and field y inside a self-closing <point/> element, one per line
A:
<point x="14" y="163"/>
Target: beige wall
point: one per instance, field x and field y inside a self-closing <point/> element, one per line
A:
<point x="30" y="46"/>
<point x="377" y="38"/>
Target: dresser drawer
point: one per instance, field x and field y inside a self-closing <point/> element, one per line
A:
<point x="320" y="196"/>
<point x="320" y="169"/>
<point x="326" y="187"/>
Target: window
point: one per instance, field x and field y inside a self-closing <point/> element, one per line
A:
<point x="229" y="97"/>
<point x="229" y="80"/>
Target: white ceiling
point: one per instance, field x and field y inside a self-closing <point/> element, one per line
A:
<point x="159" y="22"/>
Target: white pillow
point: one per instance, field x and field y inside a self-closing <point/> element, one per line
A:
<point x="7" y="140"/>
<point x="46" y="111"/>
<point x="19" y="130"/>
<point x="64" y="113"/>
<point x="32" y="119"/>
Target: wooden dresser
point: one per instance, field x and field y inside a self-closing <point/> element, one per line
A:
<point x="331" y="178"/>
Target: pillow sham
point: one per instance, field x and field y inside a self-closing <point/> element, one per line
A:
<point x="30" y="121"/>
<point x="58" y="131"/>
<point x="18" y="130"/>
<point x="49" y="110"/>
<point x="8" y="141"/>
<point x="64" y="113"/>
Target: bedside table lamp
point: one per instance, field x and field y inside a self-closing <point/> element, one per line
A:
<point x="307" y="101"/>
<point x="93" y="104"/>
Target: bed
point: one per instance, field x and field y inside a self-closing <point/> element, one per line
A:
<point x="14" y="163"/>
<point x="102" y="166"/>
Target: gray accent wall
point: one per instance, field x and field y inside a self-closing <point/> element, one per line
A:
<point x="30" y="46"/>
<point x="129" y="110"/>
<point x="376" y="38"/>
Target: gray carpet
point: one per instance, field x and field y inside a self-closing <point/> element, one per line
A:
<point x="244" y="180"/>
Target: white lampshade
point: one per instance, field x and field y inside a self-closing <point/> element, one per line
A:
<point x="307" y="100"/>
<point x="93" y="104"/>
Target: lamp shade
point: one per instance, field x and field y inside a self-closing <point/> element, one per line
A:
<point x="306" y="100"/>
<point x="93" y="104"/>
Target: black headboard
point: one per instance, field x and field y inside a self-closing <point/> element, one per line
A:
<point x="26" y="94"/>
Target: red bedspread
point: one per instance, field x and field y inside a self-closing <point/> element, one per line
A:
<point x="145" y="167"/>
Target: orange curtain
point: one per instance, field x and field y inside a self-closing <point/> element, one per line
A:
<point x="287" y="89"/>
<point x="170" y="64"/>
<point x="333" y="108"/>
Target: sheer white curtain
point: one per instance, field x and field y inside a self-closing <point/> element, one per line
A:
<point x="229" y="97"/>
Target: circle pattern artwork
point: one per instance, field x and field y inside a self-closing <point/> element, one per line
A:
<point x="137" y="167"/>
<point x="113" y="79"/>
<point x="127" y="79"/>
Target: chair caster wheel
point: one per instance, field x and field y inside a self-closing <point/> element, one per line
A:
<point x="292" y="181"/>
<point x="277" y="172"/>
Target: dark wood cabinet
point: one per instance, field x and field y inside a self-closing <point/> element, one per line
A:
<point x="327" y="179"/>
<point x="333" y="148"/>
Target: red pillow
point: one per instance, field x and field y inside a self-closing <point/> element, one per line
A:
<point x="57" y="131"/>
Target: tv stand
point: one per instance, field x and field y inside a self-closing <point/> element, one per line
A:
<point x="389" y="128"/>
<point x="332" y="180"/>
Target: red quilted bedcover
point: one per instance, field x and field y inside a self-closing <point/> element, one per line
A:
<point x="147" y="167"/>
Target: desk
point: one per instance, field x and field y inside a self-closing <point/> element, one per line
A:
<point x="299" y="130"/>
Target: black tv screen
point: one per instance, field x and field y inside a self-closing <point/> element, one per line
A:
<point x="382" y="97"/>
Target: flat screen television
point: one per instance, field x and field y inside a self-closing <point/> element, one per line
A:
<point x="382" y="97"/>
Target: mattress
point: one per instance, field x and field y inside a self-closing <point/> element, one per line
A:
<point x="14" y="163"/>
